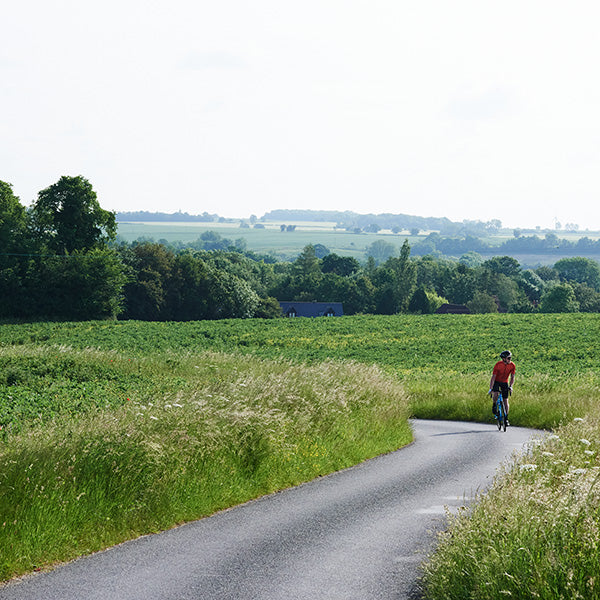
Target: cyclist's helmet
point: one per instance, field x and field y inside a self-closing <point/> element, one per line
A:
<point x="505" y="354"/>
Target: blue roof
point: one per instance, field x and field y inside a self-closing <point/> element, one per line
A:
<point x="312" y="309"/>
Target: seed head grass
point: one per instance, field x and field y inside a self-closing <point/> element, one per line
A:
<point x="220" y="429"/>
<point x="536" y="534"/>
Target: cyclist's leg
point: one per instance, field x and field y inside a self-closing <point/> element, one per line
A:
<point x="504" y="387"/>
<point x="494" y="401"/>
<point x="495" y="391"/>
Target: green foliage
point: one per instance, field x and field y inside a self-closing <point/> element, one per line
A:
<point x="13" y="223"/>
<point x="505" y="265"/>
<point x="535" y="534"/>
<point x="559" y="299"/>
<point x="579" y="270"/>
<point x="340" y="265"/>
<point x="78" y="287"/>
<point x="217" y="431"/>
<point x="67" y="217"/>
<point x="425" y="302"/>
<point x="482" y="303"/>
<point x="381" y="250"/>
<point x="157" y="282"/>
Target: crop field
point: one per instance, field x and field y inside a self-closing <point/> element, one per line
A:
<point x="262" y="404"/>
<point x="454" y="344"/>
<point x="429" y="354"/>
<point x="286" y="244"/>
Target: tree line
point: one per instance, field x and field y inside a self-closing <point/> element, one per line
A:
<point x="519" y="244"/>
<point x="60" y="259"/>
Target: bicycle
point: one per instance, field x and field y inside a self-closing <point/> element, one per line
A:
<point x="500" y="414"/>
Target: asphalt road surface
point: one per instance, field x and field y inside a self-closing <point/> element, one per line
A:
<point x="358" y="534"/>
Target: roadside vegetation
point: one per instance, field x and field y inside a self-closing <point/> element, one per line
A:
<point x="536" y="533"/>
<point x="113" y="429"/>
<point x="186" y="435"/>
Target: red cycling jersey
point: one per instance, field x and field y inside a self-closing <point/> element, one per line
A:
<point x="503" y="370"/>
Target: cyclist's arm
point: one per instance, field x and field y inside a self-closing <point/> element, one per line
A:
<point x="492" y="380"/>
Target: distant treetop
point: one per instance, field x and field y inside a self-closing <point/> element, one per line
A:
<point x="144" y="215"/>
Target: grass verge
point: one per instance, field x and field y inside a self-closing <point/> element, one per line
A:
<point x="228" y="429"/>
<point x="536" y="534"/>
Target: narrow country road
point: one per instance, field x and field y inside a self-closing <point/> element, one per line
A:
<point x="357" y="534"/>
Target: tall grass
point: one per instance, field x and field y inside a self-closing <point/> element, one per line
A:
<point x="536" y="534"/>
<point x="540" y="400"/>
<point x="229" y="429"/>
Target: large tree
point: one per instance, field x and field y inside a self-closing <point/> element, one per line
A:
<point x="12" y="220"/>
<point x="559" y="299"/>
<point x="13" y="247"/>
<point x="67" y="217"/>
<point x="579" y="270"/>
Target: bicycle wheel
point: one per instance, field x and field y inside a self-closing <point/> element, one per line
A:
<point x="504" y="421"/>
<point x="499" y="415"/>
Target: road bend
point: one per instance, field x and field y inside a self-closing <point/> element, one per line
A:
<point x="361" y="533"/>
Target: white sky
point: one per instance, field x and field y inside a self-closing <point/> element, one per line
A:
<point x="467" y="109"/>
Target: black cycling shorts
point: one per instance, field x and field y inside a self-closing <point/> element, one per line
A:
<point x="501" y="386"/>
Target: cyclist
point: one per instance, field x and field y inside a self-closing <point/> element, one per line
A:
<point x="503" y="378"/>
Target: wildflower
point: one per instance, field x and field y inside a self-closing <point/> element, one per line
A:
<point x="553" y="437"/>
<point x="589" y="452"/>
<point x="578" y="420"/>
<point x="177" y="405"/>
<point x="528" y="467"/>
<point x="547" y="453"/>
<point x="579" y="471"/>
<point x="585" y="442"/>
<point x="154" y="418"/>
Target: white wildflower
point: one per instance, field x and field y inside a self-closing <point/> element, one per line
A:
<point x="553" y="437"/>
<point x="589" y="452"/>
<point x="585" y="442"/>
<point x="168" y="406"/>
<point x="177" y="405"/>
<point x="547" y="453"/>
<point x="528" y="467"/>
<point x="579" y="471"/>
<point x="578" y="420"/>
<point x="154" y="418"/>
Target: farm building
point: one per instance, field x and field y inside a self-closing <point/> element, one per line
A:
<point x="311" y="309"/>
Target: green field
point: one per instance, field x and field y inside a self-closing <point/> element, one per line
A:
<point x="420" y="351"/>
<point x="271" y="240"/>
<point x="287" y="245"/>
<point x="114" y="429"/>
